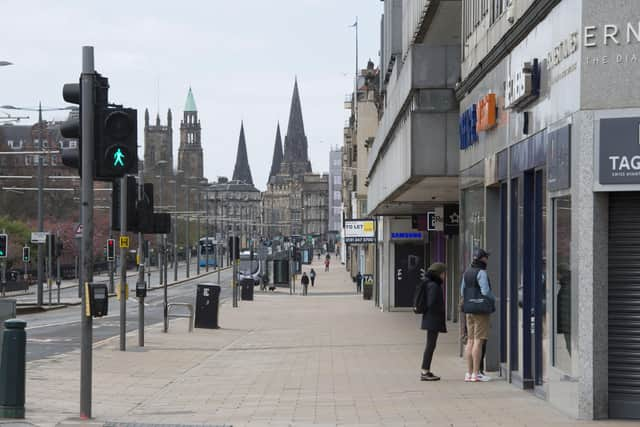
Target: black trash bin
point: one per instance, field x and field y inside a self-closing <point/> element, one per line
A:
<point x="247" y="289"/>
<point x="207" y="301"/>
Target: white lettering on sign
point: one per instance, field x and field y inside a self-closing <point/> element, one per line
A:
<point x="609" y="34"/>
<point x="624" y="163"/>
<point x="562" y="50"/>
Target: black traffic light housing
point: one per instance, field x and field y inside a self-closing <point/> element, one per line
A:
<point x="234" y="247"/>
<point x="111" y="249"/>
<point x="4" y="245"/>
<point x="26" y="254"/>
<point x="140" y="215"/>
<point x="116" y="142"/>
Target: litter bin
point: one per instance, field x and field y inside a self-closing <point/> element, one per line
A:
<point x="367" y="286"/>
<point x="207" y="301"/>
<point x="247" y="289"/>
<point x="281" y="272"/>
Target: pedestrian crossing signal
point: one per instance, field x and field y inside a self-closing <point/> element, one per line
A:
<point x="4" y="242"/>
<point x="26" y="254"/>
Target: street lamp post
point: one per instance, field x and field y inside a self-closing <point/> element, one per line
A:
<point x="40" y="180"/>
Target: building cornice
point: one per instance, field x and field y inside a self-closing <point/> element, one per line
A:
<point x="521" y="29"/>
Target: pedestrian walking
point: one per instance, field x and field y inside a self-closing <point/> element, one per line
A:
<point x="433" y="317"/>
<point x="478" y="304"/>
<point x="326" y="264"/>
<point x="358" y="282"/>
<point x="312" y="275"/>
<point x="305" y="283"/>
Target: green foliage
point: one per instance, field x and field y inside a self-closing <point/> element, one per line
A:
<point x="19" y="233"/>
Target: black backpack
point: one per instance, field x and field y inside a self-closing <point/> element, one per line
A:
<point x="420" y="298"/>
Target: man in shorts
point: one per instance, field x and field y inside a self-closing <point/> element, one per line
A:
<point x="477" y="324"/>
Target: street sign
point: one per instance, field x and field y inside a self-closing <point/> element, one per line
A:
<point x="79" y="231"/>
<point x="124" y="242"/>
<point x="39" y="237"/>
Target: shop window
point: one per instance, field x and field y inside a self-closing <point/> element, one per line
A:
<point x="562" y="283"/>
<point x="473" y="223"/>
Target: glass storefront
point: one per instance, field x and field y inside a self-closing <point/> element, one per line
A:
<point x="562" y="283"/>
<point x="473" y="222"/>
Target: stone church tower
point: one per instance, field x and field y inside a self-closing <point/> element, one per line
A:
<point x="190" y="151"/>
<point x="242" y="171"/>
<point x="296" y="161"/>
<point x="158" y="146"/>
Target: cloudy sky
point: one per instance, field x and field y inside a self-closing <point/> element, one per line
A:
<point x="239" y="56"/>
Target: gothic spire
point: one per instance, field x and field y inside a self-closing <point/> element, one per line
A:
<point x="277" y="154"/>
<point x="295" y="142"/>
<point x="242" y="171"/>
<point x="190" y="103"/>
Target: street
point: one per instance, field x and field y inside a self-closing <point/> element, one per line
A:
<point x="58" y="331"/>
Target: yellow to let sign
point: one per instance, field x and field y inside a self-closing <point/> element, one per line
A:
<point x="124" y="242"/>
<point x="368" y="226"/>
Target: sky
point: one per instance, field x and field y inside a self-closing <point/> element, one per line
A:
<point x="239" y="56"/>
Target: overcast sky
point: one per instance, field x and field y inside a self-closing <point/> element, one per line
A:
<point x="240" y="58"/>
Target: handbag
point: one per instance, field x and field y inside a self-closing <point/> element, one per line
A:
<point x="473" y="300"/>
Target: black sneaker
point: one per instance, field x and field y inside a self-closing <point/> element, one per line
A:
<point x="429" y="377"/>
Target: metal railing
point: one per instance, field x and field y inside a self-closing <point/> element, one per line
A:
<point x="184" y="316"/>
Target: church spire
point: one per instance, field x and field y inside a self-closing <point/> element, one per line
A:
<point x="277" y="154"/>
<point x="296" y="160"/>
<point x="242" y="171"/>
<point x="190" y="103"/>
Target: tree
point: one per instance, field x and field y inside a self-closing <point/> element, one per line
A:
<point x="19" y="234"/>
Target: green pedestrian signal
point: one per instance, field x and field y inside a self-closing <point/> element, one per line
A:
<point x="4" y="242"/>
<point x="118" y="158"/>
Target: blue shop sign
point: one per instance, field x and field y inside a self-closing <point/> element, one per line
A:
<point x="412" y="235"/>
<point x="467" y="124"/>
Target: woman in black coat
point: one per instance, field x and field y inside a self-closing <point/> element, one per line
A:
<point x="434" y="317"/>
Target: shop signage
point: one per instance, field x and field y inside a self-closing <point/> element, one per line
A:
<point x="562" y="50"/>
<point x="451" y="220"/>
<point x="611" y="35"/>
<point x="359" y="231"/>
<point x="523" y="87"/>
<point x="467" y="125"/>
<point x="559" y="159"/>
<point x="619" y="155"/>
<point x="486" y="112"/>
<point x="412" y="235"/>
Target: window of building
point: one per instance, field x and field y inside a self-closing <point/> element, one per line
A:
<point x="337" y="196"/>
<point x="27" y="160"/>
<point x="337" y="179"/>
<point x="562" y="283"/>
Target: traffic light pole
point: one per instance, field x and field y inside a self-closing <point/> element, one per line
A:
<point x="123" y="265"/>
<point x="141" y="259"/>
<point x="40" y="258"/>
<point x="86" y="209"/>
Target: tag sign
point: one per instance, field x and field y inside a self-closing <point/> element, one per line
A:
<point x="124" y="242"/>
<point x="39" y="237"/>
<point x="434" y="220"/>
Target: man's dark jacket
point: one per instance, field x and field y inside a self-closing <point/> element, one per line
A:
<point x="434" y="319"/>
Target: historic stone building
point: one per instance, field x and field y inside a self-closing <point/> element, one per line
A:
<point x="190" y="151"/>
<point x="293" y="191"/>
<point x="158" y="156"/>
<point x="235" y="206"/>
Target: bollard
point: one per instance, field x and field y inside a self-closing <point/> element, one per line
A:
<point x="12" y="369"/>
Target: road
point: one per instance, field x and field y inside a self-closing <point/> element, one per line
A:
<point x="58" y="331"/>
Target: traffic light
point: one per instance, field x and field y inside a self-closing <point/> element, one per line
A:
<point x="72" y="93"/>
<point x="116" y="148"/>
<point x="111" y="249"/>
<point x="26" y="254"/>
<point x="4" y="245"/>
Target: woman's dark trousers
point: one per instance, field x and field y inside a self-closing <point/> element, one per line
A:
<point x="432" y="338"/>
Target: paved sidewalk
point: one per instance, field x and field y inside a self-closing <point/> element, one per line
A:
<point x="328" y="358"/>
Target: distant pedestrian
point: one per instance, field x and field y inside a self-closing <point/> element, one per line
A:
<point x="433" y="317"/>
<point x="312" y="275"/>
<point x="305" y="283"/>
<point x="358" y="282"/>
<point x="326" y="264"/>
<point x="478" y="304"/>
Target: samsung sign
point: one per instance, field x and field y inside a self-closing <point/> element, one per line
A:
<point x="619" y="156"/>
